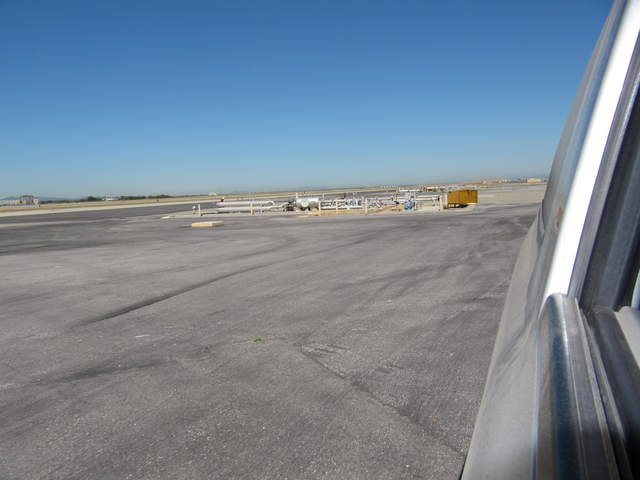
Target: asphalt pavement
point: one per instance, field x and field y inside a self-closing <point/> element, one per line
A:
<point x="88" y="213"/>
<point x="135" y="347"/>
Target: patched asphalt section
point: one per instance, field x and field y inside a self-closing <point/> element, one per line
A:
<point x="126" y="349"/>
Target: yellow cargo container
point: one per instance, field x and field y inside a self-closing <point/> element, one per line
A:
<point x="462" y="198"/>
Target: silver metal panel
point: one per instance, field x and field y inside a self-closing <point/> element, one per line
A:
<point x="572" y="433"/>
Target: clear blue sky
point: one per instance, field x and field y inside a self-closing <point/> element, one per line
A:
<point x="196" y="96"/>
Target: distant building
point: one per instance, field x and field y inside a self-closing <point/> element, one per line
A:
<point x="27" y="200"/>
<point x="22" y="200"/>
<point x="486" y="181"/>
<point x="535" y="180"/>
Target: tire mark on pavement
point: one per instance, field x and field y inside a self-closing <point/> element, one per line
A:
<point x="174" y="293"/>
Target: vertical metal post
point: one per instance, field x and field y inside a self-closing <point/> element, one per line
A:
<point x="199" y="211"/>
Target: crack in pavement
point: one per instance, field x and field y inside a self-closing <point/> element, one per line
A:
<point x="359" y="386"/>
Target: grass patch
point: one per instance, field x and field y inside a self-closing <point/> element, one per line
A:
<point x="256" y="339"/>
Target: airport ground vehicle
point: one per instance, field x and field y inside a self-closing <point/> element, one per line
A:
<point x="563" y="390"/>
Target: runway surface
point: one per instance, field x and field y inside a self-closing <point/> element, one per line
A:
<point x="95" y="214"/>
<point x="273" y="347"/>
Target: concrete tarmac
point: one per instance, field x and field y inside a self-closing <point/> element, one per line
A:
<point x="273" y="347"/>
